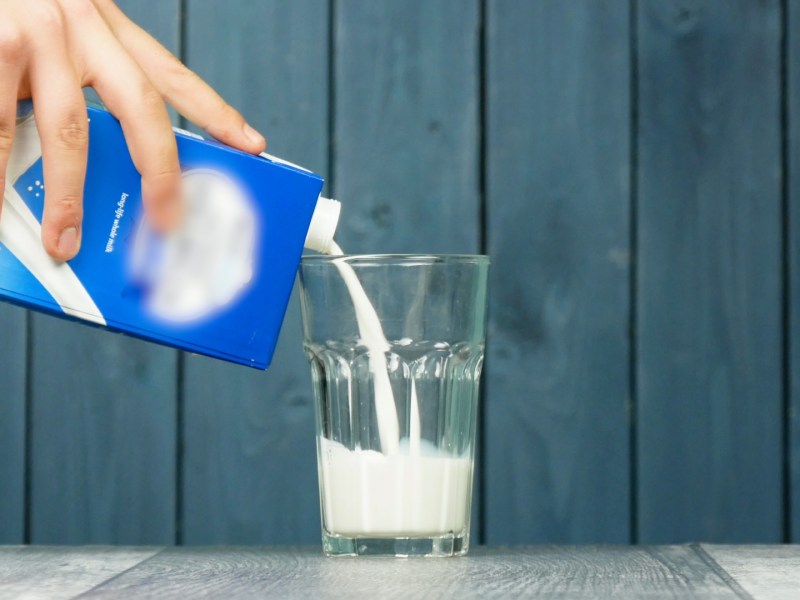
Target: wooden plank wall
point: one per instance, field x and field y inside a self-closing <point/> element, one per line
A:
<point x="13" y="357"/>
<point x="629" y="166"/>
<point x="249" y="437"/>
<point x="708" y="291"/>
<point x="103" y="415"/>
<point x="791" y="173"/>
<point x="558" y="127"/>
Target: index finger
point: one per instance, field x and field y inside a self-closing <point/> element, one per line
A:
<point x="130" y="96"/>
<point x="180" y="86"/>
<point x="64" y="131"/>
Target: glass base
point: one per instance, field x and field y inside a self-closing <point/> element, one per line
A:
<point x="403" y="547"/>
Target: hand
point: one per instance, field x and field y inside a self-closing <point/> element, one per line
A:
<point x="49" y="50"/>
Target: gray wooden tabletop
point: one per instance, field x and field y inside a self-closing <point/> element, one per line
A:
<point x="694" y="571"/>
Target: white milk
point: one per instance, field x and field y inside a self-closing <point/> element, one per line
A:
<point x="369" y="493"/>
<point x="407" y="489"/>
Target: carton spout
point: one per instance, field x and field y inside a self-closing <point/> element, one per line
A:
<point x="323" y="225"/>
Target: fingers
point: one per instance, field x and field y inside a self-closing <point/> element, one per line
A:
<point x="8" y="117"/>
<point x="181" y="87"/>
<point x="130" y="96"/>
<point x="10" y="72"/>
<point x="198" y="102"/>
<point x="64" y="132"/>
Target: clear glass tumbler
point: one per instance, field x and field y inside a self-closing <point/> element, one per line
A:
<point x="395" y="344"/>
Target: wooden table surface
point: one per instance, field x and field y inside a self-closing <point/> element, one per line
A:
<point x="695" y="571"/>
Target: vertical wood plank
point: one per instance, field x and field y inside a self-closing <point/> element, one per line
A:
<point x="709" y="305"/>
<point x="104" y="414"/>
<point x="249" y="453"/>
<point x="406" y="161"/>
<point x="558" y="225"/>
<point x="406" y="126"/>
<point x="792" y="174"/>
<point x="13" y="350"/>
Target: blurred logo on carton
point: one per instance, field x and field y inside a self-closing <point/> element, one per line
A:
<point x="207" y="263"/>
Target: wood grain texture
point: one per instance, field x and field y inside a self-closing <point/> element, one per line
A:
<point x="104" y="414"/>
<point x="762" y="571"/>
<point x="708" y="288"/>
<point x="792" y="175"/>
<point x="558" y="220"/>
<point x="249" y="452"/>
<point x="13" y="350"/>
<point x="40" y="572"/>
<point x="551" y="572"/>
<point x="406" y="126"/>
<point x="406" y="130"/>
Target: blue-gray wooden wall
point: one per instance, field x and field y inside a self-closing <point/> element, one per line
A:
<point x="631" y="168"/>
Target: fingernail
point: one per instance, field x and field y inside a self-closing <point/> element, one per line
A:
<point x="68" y="242"/>
<point x="253" y="135"/>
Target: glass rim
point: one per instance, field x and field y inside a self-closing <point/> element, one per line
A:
<point x="397" y="259"/>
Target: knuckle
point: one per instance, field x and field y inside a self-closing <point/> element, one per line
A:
<point x="73" y="134"/>
<point x="164" y="160"/>
<point x="224" y="121"/>
<point x="11" y="41"/>
<point x="228" y="113"/>
<point x="47" y="17"/>
<point x="6" y="138"/>
<point x="68" y="208"/>
<point x="179" y="78"/>
<point x="79" y="9"/>
<point x="185" y="83"/>
<point x="149" y="98"/>
<point x="165" y="178"/>
<point x="175" y="68"/>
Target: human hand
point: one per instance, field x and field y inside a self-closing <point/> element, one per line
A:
<point x="49" y="50"/>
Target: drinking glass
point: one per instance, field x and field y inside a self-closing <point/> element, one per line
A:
<point x="395" y="344"/>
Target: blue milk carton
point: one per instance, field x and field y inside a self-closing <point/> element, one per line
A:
<point x="218" y="286"/>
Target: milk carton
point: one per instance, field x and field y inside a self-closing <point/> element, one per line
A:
<point x="217" y="286"/>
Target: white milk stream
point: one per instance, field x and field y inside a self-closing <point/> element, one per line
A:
<point x="410" y="488"/>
